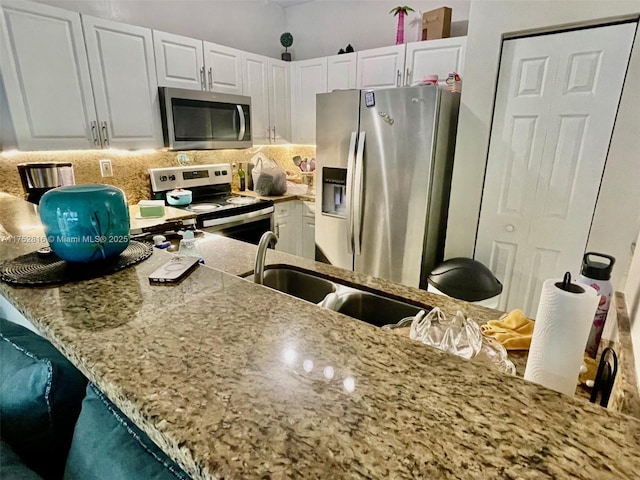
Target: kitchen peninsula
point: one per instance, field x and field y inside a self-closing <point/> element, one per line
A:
<point x="233" y="380"/>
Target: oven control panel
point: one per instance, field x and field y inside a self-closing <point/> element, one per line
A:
<point x="163" y="179"/>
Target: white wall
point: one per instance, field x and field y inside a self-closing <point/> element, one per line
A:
<point x="617" y="219"/>
<point x="632" y="295"/>
<point x="252" y="26"/>
<point x="322" y="27"/>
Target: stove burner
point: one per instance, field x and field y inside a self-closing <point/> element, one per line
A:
<point x="202" y="207"/>
<point x="241" y="200"/>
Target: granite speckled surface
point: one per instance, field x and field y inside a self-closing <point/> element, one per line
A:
<point x="234" y="380"/>
<point x="130" y="167"/>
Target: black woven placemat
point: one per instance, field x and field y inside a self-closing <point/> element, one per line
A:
<point x="38" y="269"/>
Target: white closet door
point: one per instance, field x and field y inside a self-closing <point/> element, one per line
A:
<point x="556" y="103"/>
<point x="124" y="80"/>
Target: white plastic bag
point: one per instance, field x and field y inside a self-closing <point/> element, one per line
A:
<point x="268" y="178"/>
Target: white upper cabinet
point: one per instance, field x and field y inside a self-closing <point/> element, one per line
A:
<point x="309" y="78"/>
<point x="125" y="88"/>
<point x="179" y="61"/>
<point x="223" y="67"/>
<point x="266" y="81"/>
<point x="46" y="77"/>
<point x="280" y="100"/>
<point x="341" y="72"/>
<point x="255" y="79"/>
<point x="78" y="82"/>
<point x="185" y="62"/>
<point x="434" y="57"/>
<point x="381" y="67"/>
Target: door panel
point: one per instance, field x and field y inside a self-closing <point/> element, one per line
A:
<point x="279" y="100"/>
<point x="223" y="68"/>
<point x="570" y="83"/>
<point x="381" y="67"/>
<point x="398" y="164"/>
<point x="438" y="57"/>
<point x="337" y="120"/>
<point x="255" y="85"/>
<point x="179" y="61"/>
<point x="45" y="73"/>
<point x="121" y="62"/>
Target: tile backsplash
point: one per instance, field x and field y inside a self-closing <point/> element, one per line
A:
<point x="130" y="167"/>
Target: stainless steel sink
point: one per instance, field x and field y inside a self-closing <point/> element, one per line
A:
<point x="374" y="309"/>
<point x="369" y="307"/>
<point x="298" y="284"/>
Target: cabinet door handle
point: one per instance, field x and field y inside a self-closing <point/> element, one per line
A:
<point x="406" y="79"/>
<point x="398" y="79"/>
<point x="268" y="134"/>
<point x="94" y="134"/>
<point x="105" y="134"/>
<point x="210" y="78"/>
<point x="277" y="232"/>
<point x="203" y="85"/>
<point x="274" y="133"/>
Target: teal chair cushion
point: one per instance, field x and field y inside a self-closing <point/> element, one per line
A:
<point x="40" y="397"/>
<point x="108" y="446"/>
<point x="11" y="466"/>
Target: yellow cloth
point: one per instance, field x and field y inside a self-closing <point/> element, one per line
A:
<point x="513" y="330"/>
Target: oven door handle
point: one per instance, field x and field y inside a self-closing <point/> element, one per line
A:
<point x="241" y="218"/>
<point x="242" y="122"/>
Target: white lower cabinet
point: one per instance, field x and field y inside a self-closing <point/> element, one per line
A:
<point x="308" y="249"/>
<point x="287" y="226"/>
<point x="294" y="225"/>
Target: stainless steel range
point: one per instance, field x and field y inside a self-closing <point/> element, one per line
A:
<point x="217" y="209"/>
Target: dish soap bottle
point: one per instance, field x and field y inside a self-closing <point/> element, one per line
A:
<point x="597" y="275"/>
<point x="188" y="247"/>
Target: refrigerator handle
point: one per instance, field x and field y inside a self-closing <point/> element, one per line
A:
<point x="357" y="198"/>
<point x="350" y="174"/>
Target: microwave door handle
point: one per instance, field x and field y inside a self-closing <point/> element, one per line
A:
<point x="349" y="206"/>
<point x="242" y="124"/>
<point x="357" y="203"/>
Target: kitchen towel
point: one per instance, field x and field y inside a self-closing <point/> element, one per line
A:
<point x="560" y="335"/>
<point x="513" y="330"/>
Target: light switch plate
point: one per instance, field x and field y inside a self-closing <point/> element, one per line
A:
<point x="106" y="169"/>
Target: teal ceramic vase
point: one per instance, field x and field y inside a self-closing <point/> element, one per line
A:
<point x="85" y="223"/>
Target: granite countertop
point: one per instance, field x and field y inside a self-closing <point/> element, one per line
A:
<point x="234" y="380"/>
<point x="279" y="198"/>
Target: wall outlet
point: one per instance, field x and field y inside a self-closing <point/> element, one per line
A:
<point x="106" y="169"/>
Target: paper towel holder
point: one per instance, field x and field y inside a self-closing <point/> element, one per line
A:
<point x="567" y="286"/>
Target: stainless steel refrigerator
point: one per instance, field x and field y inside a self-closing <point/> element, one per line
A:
<point x="384" y="162"/>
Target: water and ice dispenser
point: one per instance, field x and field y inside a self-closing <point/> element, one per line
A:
<point x="334" y="191"/>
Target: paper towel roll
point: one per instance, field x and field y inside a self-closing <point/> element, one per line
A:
<point x="560" y="335"/>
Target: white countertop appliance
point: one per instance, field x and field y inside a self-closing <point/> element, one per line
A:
<point x="384" y="159"/>
<point x="217" y="209"/>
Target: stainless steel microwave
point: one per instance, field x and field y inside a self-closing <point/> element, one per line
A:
<point x="196" y="120"/>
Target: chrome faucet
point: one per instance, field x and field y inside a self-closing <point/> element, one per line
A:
<point x="268" y="238"/>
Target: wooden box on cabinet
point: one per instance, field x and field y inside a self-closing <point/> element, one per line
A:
<point x="436" y="23"/>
